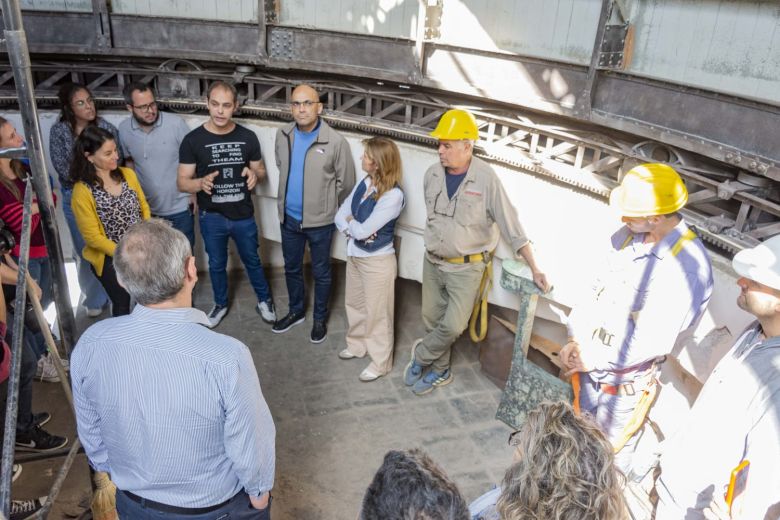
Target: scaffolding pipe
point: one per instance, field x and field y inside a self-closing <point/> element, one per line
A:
<point x="57" y="486"/>
<point x="12" y="401"/>
<point x="19" y="57"/>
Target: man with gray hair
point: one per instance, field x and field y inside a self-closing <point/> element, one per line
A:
<point x="467" y="211"/>
<point x="172" y="410"/>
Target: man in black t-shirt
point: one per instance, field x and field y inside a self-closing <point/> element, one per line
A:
<point x="220" y="161"/>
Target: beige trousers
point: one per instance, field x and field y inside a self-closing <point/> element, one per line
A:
<point x="370" y="304"/>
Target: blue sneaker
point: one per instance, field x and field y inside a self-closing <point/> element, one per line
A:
<point x="413" y="371"/>
<point x="431" y="380"/>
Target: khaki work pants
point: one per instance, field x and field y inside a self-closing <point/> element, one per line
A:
<point x="447" y="301"/>
<point x="370" y="304"/>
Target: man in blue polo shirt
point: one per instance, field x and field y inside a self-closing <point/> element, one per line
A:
<point x="150" y="142"/>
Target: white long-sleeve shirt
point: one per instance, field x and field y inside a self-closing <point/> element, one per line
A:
<point x="387" y="208"/>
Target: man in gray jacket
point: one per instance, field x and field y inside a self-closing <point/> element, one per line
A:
<point x="316" y="173"/>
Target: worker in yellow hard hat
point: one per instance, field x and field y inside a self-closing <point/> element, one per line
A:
<point x="467" y="210"/>
<point x="656" y="283"/>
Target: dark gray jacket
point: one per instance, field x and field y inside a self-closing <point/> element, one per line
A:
<point x="328" y="173"/>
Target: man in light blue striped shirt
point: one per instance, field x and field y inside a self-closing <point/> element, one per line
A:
<point x="172" y="410"/>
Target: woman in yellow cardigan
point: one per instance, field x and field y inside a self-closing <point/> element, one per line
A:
<point x="107" y="200"/>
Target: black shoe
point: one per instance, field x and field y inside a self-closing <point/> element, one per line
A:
<point x="288" y="322"/>
<point x="24" y="508"/>
<point x="39" y="440"/>
<point x="39" y="419"/>
<point x="318" y="331"/>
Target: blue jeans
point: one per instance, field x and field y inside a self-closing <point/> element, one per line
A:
<point x="239" y="507"/>
<point x="294" y="238"/>
<point x="185" y="223"/>
<point x="216" y="230"/>
<point x="95" y="296"/>
<point x="40" y="271"/>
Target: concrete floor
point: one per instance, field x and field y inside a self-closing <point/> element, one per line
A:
<point x="332" y="430"/>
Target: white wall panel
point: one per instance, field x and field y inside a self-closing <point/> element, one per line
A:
<point x="562" y="30"/>
<point x="391" y="18"/>
<point x="719" y="45"/>
<point x="232" y="11"/>
<point x="57" y="5"/>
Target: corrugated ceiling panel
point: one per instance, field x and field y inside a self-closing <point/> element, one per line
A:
<point x="721" y="45"/>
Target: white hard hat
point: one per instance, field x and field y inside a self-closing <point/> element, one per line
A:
<point x="760" y="263"/>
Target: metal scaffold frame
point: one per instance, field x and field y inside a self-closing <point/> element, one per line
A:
<point x="37" y="182"/>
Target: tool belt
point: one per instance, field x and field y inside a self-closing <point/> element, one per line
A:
<point x="628" y="389"/>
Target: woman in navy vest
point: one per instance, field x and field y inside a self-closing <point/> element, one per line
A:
<point x="367" y="218"/>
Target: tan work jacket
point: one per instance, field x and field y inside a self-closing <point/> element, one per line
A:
<point x="466" y="223"/>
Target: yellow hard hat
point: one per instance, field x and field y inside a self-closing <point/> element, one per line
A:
<point x="649" y="189"/>
<point x="456" y="124"/>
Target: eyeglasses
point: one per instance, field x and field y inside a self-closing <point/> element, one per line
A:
<point x="449" y="209"/>
<point x="303" y="104"/>
<point x="81" y="103"/>
<point x="514" y="438"/>
<point x="147" y="107"/>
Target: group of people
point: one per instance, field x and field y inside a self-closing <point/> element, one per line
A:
<point x="655" y="284"/>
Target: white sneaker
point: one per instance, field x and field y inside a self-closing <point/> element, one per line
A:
<point x="216" y="314"/>
<point x="367" y="375"/>
<point x="46" y="371"/>
<point x="25" y="508"/>
<point x="266" y="311"/>
<point x="94" y="313"/>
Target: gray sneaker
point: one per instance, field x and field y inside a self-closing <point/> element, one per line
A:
<point x="266" y="311"/>
<point x="431" y="380"/>
<point x="216" y="314"/>
<point x="46" y="371"/>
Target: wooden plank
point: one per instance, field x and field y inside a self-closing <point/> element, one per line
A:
<point x="546" y="346"/>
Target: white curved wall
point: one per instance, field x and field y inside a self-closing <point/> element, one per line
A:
<point x="568" y="228"/>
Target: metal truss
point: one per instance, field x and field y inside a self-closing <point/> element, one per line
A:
<point x="730" y="207"/>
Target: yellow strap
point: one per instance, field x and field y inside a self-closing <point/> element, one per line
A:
<point x="676" y="248"/>
<point x="639" y="415"/>
<point x="684" y="239"/>
<point x="472" y="259"/>
<point x="480" y="311"/>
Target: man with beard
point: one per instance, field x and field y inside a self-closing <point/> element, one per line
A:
<point x="733" y="429"/>
<point x="150" y="141"/>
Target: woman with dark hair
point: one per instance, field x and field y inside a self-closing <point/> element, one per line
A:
<point x="77" y="112"/>
<point x="564" y="469"/>
<point x="107" y="200"/>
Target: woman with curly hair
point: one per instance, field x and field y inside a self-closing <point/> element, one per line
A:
<point x="563" y="470"/>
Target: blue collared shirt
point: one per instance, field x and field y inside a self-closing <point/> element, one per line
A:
<point x="641" y="302"/>
<point x="172" y="410"/>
